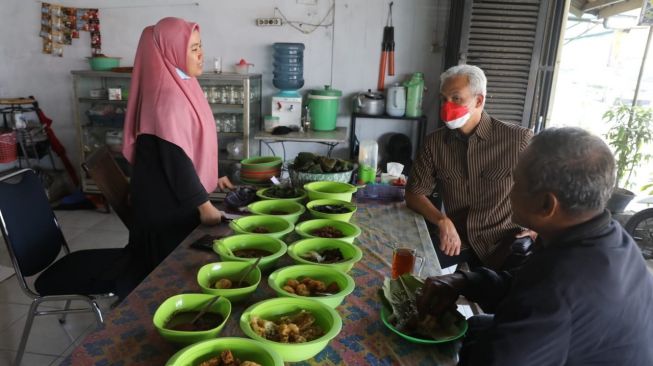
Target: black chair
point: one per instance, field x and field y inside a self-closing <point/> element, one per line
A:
<point x="111" y="181"/>
<point x="34" y="241"/>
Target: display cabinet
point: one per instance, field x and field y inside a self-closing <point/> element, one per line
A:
<point x="100" y="103"/>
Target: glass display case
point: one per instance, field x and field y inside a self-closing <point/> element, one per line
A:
<point x="100" y="103"/>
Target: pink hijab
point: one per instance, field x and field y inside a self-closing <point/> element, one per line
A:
<point x="162" y="104"/>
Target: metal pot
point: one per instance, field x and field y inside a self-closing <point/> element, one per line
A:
<point x="370" y="103"/>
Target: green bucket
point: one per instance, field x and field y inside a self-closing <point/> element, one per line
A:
<point x="323" y="106"/>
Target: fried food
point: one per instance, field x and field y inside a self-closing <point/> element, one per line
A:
<point x="226" y="358"/>
<point x="310" y="287"/>
<point x="294" y="328"/>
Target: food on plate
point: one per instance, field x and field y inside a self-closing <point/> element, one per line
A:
<point x="398" y="297"/>
<point x="225" y="283"/>
<point x="326" y="256"/>
<point x="181" y="321"/>
<point x="226" y="358"/>
<point x="332" y="209"/>
<point x="307" y="286"/>
<point x="291" y="328"/>
<point x="251" y="253"/>
<point x="327" y="232"/>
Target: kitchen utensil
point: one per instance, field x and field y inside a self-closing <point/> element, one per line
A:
<point x="387" y="50"/>
<point x="205" y="308"/>
<point x="249" y="269"/>
<point x="395" y="105"/>
<point x="370" y="103"/>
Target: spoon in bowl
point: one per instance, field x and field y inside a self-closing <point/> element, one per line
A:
<point x="205" y="308"/>
<point x="249" y="269"/>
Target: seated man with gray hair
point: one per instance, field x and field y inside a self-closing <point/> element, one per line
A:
<point x="584" y="297"/>
<point x="469" y="163"/>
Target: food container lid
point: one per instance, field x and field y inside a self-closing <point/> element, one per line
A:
<point x="327" y="92"/>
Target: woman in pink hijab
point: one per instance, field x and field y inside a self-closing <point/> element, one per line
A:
<point x="171" y="141"/>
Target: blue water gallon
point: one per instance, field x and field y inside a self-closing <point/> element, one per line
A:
<point x="288" y="66"/>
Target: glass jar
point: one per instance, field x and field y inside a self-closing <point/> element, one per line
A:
<point x="213" y="94"/>
<point x="232" y="95"/>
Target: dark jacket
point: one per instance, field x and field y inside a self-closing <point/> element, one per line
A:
<point x="585" y="299"/>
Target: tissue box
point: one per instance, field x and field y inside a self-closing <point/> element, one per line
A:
<point x="115" y="93"/>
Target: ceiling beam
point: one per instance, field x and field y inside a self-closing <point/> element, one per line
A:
<point x="589" y="6"/>
<point x="619" y="8"/>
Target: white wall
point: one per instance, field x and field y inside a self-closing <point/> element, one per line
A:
<point x="345" y="55"/>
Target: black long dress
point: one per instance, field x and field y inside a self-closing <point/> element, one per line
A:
<point x="165" y="194"/>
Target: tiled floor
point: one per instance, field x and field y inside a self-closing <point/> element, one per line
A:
<point x="49" y="341"/>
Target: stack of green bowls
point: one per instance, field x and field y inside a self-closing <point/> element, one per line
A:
<point x="259" y="169"/>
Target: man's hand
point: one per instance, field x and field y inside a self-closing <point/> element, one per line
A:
<point x="209" y="215"/>
<point x="449" y="239"/>
<point x="527" y="232"/>
<point x="439" y="294"/>
<point x="224" y="182"/>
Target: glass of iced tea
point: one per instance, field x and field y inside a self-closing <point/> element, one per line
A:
<point x="403" y="261"/>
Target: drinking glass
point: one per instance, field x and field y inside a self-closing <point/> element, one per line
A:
<point x="403" y="261"/>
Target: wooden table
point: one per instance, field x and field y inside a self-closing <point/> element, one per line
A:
<point x="129" y="338"/>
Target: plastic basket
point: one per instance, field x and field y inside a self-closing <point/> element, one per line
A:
<point x="8" y="150"/>
<point x="382" y="192"/>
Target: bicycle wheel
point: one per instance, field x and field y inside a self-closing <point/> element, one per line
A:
<point x="640" y="227"/>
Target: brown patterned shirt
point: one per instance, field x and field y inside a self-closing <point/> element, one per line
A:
<point x="473" y="175"/>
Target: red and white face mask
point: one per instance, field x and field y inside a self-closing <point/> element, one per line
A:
<point x="454" y="115"/>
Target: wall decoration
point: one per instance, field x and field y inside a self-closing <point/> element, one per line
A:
<point x="60" y="25"/>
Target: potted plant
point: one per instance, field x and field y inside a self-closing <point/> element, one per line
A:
<point x="629" y="134"/>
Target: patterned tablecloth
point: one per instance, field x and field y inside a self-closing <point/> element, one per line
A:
<point x="129" y="338"/>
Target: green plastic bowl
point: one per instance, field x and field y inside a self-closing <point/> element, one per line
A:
<point x="209" y="273"/>
<point x="224" y="247"/>
<point x="189" y="302"/>
<point x="350" y="230"/>
<point x="103" y="63"/>
<point x="385" y="313"/>
<point x="242" y="348"/>
<point x="330" y="190"/>
<point x="278" y="278"/>
<point x="350" y="252"/>
<point x="265" y="207"/>
<point x="278" y="226"/>
<point x="262" y="194"/>
<point x="322" y="215"/>
<point x="271" y="309"/>
<point x="261" y="162"/>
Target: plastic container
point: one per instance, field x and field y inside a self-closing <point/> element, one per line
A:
<point x="242" y="348"/>
<point x="323" y="105"/>
<point x="381" y="192"/>
<point x="103" y="63"/>
<point x="277" y="280"/>
<point x="288" y="66"/>
<point x="414" y="95"/>
<point x="368" y="158"/>
<point x="212" y="272"/>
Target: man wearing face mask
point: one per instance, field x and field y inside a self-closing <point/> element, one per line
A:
<point x="469" y="162"/>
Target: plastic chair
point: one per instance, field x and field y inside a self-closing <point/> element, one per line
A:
<point x="111" y="181"/>
<point x="34" y="241"/>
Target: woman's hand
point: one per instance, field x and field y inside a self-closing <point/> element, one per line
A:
<point x="209" y="215"/>
<point x="449" y="239"/>
<point x="224" y="182"/>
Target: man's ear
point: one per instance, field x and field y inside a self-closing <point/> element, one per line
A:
<point x="480" y="101"/>
<point x="549" y="205"/>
